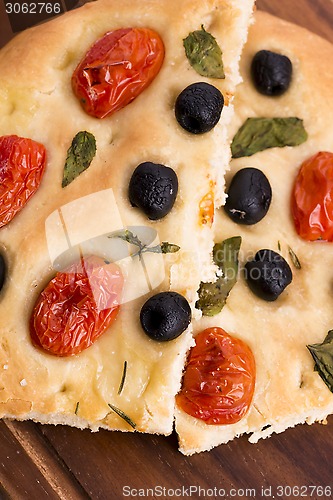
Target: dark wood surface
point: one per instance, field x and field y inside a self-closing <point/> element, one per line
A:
<point x="41" y="461"/>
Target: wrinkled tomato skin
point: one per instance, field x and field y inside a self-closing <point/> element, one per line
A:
<point x="116" y="69"/>
<point x="312" y="198"/>
<point x="22" y="164"/>
<point x="219" y="379"/>
<point x="76" y="307"/>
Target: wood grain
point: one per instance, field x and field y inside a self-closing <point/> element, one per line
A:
<point x="32" y="451"/>
<point x="38" y="461"/>
<point x="315" y="15"/>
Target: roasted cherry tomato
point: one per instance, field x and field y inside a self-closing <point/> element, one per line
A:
<point x="116" y="69"/>
<point x="312" y="198"/>
<point x="77" y="306"/>
<point x="219" y="379"/>
<point x="22" y="164"/>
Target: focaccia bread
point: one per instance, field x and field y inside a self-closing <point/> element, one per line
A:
<point x="124" y="369"/>
<point x="288" y="390"/>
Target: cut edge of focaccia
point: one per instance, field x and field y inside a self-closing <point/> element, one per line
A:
<point x="36" y="101"/>
<point x="288" y="389"/>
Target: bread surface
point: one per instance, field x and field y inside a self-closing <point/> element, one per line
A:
<point x="288" y="390"/>
<point x="36" y="101"/>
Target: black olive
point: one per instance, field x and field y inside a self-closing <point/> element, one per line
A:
<point x="271" y="72"/>
<point x="268" y="274"/>
<point x="198" y="107"/>
<point x="165" y="316"/>
<point x="153" y="188"/>
<point x="249" y="196"/>
<point x="3" y="270"/>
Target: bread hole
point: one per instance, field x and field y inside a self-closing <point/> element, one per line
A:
<point x="301" y="382"/>
<point x="4" y="345"/>
<point x="12" y="108"/>
<point x="47" y="92"/>
<point x="68" y="59"/>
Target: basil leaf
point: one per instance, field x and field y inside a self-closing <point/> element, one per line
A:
<point x="79" y="156"/>
<point x="258" y="134"/>
<point x="122" y="415"/>
<point x="213" y="296"/>
<point x="323" y="357"/>
<point x="204" y="54"/>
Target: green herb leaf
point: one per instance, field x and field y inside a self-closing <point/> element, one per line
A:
<point x="123" y="415"/>
<point x="131" y="238"/>
<point x="258" y="134"/>
<point x="122" y="382"/>
<point x="323" y="357"/>
<point x="294" y="258"/>
<point x="77" y="407"/>
<point x="79" y="156"/>
<point x="204" y="54"/>
<point x="213" y="296"/>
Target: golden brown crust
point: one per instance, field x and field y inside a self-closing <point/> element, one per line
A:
<point x="288" y="390"/>
<point x="36" y="101"/>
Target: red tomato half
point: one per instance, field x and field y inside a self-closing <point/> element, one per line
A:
<point x="219" y="379"/>
<point x="116" y="69"/>
<point x="312" y="198"/>
<point x="77" y="306"/>
<point x="22" y="164"/>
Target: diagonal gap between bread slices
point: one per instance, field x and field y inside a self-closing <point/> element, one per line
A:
<point x="288" y="389"/>
<point x="36" y="101"/>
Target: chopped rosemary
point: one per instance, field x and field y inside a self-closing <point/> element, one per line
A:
<point x="279" y="246"/>
<point x="131" y="238"/>
<point x="122" y="415"/>
<point x="164" y="247"/>
<point x="294" y="258"/>
<point x="77" y="407"/>
<point x="122" y="382"/>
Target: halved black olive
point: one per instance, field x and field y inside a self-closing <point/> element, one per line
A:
<point x="198" y="107"/>
<point x="249" y="196"/>
<point x="153" y="188"/>
<point x="271" y="72"/>
<point x="165" y="316"/>
<point x="268" y="274"/>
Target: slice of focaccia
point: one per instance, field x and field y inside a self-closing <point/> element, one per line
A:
<point x="83" y="230"/>
<point x="288" y="390"/>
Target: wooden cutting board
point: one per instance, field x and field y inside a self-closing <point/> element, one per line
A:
<point x="41" y="461"/>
